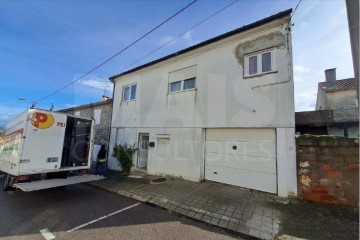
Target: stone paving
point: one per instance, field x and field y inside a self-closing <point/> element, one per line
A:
<point x="247" y="212"/>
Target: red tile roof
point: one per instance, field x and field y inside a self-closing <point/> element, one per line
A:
<point x="341" y="85"/>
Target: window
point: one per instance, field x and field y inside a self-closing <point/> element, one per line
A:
<point x="182" y="79"/>
<point x="182" y="85"/>
<point x="266" y="62"/>
<point x="260" y="63"/>
<point x="189" y="83"/>
<point x="253" y="65"/>
<point x="97" y="116"/>
<point x="133" y="92"/>
<point x="175" y="86"/>
<point x="129" y="93"/>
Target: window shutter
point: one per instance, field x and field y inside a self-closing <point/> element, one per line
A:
<point x="182" y="74"/>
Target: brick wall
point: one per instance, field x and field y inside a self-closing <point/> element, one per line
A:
<point x="328" y="169"/>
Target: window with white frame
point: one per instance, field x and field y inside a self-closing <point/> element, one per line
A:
<point x="129" y="92"/>
<point x="182" y="79"/>
<point x="182" y="85"/>
<point x="260" y="63"/>
<point x="97" y="116"/>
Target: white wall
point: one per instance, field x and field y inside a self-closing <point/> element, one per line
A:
<point x="223" y="98"/>
<point x="341" y="99"/>
<point x="321" y="99"/>
<point x="335" y="100"/>
<point x="286" y="162"/>
<point x="177" y="155"/>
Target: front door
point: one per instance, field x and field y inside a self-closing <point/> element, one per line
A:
<point x="143" y="150"/>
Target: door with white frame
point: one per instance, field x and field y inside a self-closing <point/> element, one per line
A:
<point x="143" y="150"/>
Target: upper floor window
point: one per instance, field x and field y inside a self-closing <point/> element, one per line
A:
<point x="129" y="92"/>
<point x="97" y="116"/>
<point x="260" y="63"/>
<point x="182" y="79"/>
<point x="182" y="85"/>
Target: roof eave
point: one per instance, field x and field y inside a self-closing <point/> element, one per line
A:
<point x="209" y="41"/>
<point x="95" y="104"/>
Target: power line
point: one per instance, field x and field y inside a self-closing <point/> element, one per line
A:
<point x="118" y="53"/>
<point x="173" y="39"/>
<point x="97" y="87"/>
<point x="297" y="5"/>
<point x="103" y="83"/>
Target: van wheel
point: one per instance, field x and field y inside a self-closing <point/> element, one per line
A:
<point x="8" y="183"/>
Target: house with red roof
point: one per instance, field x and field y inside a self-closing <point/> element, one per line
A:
<point x="337" y="111"/>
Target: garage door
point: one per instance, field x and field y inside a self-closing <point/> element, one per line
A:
<point x="242" y="157"/>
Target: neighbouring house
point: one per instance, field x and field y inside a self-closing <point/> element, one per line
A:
<point x="221" y="110"/>
<point x="101" y="113"/>
<point x="336" y="109"/>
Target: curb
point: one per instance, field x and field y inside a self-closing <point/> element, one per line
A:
<point x="122" y="193"/>
<point x="153" y="201"/>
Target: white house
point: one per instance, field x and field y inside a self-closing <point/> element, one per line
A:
<point x="221" y="110"/>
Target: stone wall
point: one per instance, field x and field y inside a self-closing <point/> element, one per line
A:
<point x="328" y="169"/>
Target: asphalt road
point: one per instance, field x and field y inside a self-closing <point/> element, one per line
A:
<point x="23" y="215"/>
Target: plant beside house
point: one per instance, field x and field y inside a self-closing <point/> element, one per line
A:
<point x="123" y="154"/>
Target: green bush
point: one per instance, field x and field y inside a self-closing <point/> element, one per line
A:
<point x="123" y="153"/>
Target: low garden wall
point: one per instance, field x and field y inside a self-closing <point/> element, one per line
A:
<point x="328" y="169"/>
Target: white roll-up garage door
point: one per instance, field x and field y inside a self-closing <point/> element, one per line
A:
<point x="242" y="157"/>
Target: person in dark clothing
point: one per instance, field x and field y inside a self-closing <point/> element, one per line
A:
<point x="100" y="167"/>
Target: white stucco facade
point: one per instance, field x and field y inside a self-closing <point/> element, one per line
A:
<point x="345" y="99"/>
<point x="222" y="98"/>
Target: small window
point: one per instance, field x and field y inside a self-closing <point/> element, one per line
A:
<point x="266" y="62"/>
<point x="259" y="63"/>
<point x="126" y="93"/>
<point x="182" y="85"/>
<point x="129" y="93"/>
<point x="189" y="83"/>
<point x="133" y="92"/>
<point x="252" y="65"/>
<point x="97" y="116"/>
<point x="175" y="86"/>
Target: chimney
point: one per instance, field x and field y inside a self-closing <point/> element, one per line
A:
<point x="330" y="76"/>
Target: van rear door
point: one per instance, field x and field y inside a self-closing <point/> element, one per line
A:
<point x="44" y="140"/>
<point x="77" y="142"/>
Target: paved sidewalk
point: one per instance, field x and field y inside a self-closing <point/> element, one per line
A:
<point x="253" y="213"/>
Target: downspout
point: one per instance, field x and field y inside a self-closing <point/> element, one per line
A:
<point x="111" y="116"/>
<point x="290" y="68"/>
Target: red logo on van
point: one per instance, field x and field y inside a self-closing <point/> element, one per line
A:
<point x="42" y="120"/>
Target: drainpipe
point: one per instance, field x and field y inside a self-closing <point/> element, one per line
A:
<point x="111" y="116"/>
<point x="352" y="8"/>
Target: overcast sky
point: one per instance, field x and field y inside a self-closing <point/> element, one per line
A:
<point x="45" y="45"/>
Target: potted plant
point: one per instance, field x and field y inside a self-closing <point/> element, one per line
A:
<point x="123" y="154"/>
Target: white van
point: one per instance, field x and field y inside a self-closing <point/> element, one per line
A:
<point x="43" y="149"/>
